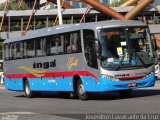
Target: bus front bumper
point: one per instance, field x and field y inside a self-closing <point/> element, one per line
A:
<point x="105" y="85"/>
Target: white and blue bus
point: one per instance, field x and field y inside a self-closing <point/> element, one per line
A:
<point x="80" y="59"/>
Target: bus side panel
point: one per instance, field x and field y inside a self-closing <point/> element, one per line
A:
<point x="14" y="84"/>
<point x="51" y="84"/>
<point x="89" y="83"/>
<point x="56" y="77"/>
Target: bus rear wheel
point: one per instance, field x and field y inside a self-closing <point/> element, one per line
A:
<point x="126" y="93"/>
<point x="80" y="91"/>
<point x="27" y="90"/>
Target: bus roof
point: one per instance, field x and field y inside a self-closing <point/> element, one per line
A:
<point x="73" y="27"/>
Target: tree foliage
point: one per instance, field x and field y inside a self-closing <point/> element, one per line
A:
<point x="116" y="4"/>
<point x="14" y="5"/>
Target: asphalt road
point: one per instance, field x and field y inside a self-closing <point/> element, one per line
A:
<point x="49" y="106"/>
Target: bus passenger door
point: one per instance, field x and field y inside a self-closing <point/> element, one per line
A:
<point x="90" y="55"/>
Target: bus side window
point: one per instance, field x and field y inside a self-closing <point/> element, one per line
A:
<point x="75" y="42"/>
<point x="54" y="46"/>
<point x="6" y="51"/>
<point x="18" y="50"/>
<point x="12" y="51"/>
<point x="30" y="48"/>
<point x="21" y="49"/>
<point x="25" y="49"/>
<point x="61" y="45"/>
<point x="90" y="55"/>
<point x="67" y="43"/>
<point x="40" y="47"/>
<point x="48" y="45"/>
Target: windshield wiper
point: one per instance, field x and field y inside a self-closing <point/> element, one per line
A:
<point x="141" y="60"/>
<point x="143" y="63"/>
<point x="120" y="63"/>
<point x="132" y="51"/>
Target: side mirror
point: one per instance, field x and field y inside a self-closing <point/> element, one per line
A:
<point x="97" y="46"/>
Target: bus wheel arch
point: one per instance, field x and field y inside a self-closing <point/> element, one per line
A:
<point x="75" y="80"/>
<point x="23" y="82"/>
<point x="27" y="90"/>
<point x="79" y="88"/>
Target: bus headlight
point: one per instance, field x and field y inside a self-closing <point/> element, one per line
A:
<point x="109" y="77"/>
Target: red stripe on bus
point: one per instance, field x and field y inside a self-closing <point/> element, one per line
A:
<point x="52" y="74"/>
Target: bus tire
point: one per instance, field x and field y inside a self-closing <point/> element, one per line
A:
<point x="27" y="90"/>
<point x="125" y="93"/>
<point x="80" y="91"/>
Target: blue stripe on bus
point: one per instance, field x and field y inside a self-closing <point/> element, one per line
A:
<point x="66" y="84"/>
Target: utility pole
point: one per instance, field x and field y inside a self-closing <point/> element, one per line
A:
<point x="59" y="12"/>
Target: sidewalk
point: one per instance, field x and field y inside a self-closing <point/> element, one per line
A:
<point x="1" y="87"/>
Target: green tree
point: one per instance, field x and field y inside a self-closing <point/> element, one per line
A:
<point x="14" y="5"/>
<point x="116" y="4"/>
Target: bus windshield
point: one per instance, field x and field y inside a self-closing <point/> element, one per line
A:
<point x="126" y="48"/>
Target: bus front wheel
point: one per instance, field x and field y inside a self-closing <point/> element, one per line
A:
<point x="80" y="91"/>
<point x="27" y="90"/>
<point x="125" y="93"/>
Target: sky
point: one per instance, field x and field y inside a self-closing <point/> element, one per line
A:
<point x="2" y="1"/>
